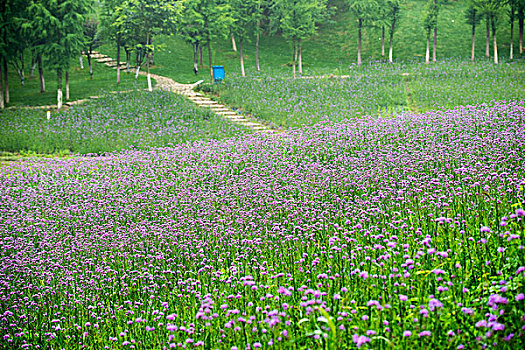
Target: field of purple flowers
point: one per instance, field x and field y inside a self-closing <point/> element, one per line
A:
<point x="111" y="123"/>
<point x="371" y="233"/>
<point x="378" y="88"/>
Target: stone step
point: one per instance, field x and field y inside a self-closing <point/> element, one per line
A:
<point x="225" y="113"/>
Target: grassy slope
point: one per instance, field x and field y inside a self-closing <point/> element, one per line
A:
<point x="80" y="86"/>
<point x="334" y="50"/>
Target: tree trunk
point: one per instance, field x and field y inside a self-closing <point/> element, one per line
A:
<point x="128" y="59"/>
<point x="118" y="60"/>
<point x="360" y="25"/>
<point x="41" y="73"/>
<point x="67" y="85"/>
<point x="59" y="89"/>
<point x="234" y="47"/>
<point x="300" y="54"/>
<point x="427" y="54"/>
<point x="195" y="48"/>
<point x="293" y="57"/>
<point x="435" y="44"/>
<point x="210" y="61"/>
<point x="6" y="82"/>
<point x="90" y="66"/>
<point x="473" y="41"/>
<point x="520" y="24"/>
<point x="33" y="64"/>
<point x="81" y="62"/>
<point x="200" y="56"/>
<point x="2" y="104"/>
<point x="391" y="49"/>
<point x="257" y="53"/>
<point x="495" y="43"/>
<point x="487" y="45"/>
<point x="21" y="69"/>
<point x="150" y="89"/>
<point x="383" y="41"/>
<point x="511" y="55"/>
<point x="137" y="62"/>
<point x="242" y="57"/>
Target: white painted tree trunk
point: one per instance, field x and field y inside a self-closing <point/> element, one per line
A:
<point x="81" y="62"/>
<point x="67" y="85"/>
<point x="300" y="54"/>
<point x="137" y="72"/>
<point x="234" y="46"/>
<point x="150" y="88"/>
<point x="59" y="99"/>
<point x="434" y="49"/>
<point x="427" y="55"/>
<point x="487" y="44"/>
<point x="511" y="55"/>
<point x="495" y="43"/>
<point x="383" y="41"/>
<point x="473" y="42"/>
<point x="242" y="58"/>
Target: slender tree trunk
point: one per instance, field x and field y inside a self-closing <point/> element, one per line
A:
<point x="360" y="25"/>
<point x="41" y="73"/>
<point x="391" y="49"/>
<point x="67" y="85"/>
<point x="138" y="62"/>
<point x="427" y="54"/>
<point x="90" y="66"/>
<point x="200" y="56"/>
<point x="195" y="58"/>
<point x="59" y="89"/>
<point x="293" y="57"/>
<point x="495" y="43"/>
<point x="21" y="69"/>
<point x="300" y="54"/>
<point x="487" y="44"/>
<point x="128" y="59"/>
<point x="210" y="61"/>
<point x="150" y="88"/>
<point x="118" y="60"/>
<point x="81" y="62"/>
<point x="383" y="41"/>
<point x="33" y="64"/>
<point x="511" y="55"/>
<point x="242" y="57"/>
<point x="234" y="46"/>
<point x="6" y="82"/>
<point x="2" y="104"/>
<point x="520" y="25"/>
<point x="257" y="53"/>
<point x="435" y="44"/>
<point x="473" y="41"/>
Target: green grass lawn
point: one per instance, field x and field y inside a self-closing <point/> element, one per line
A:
<point x="80" y="86"/>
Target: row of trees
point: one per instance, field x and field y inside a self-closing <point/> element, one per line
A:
<point x="55" y="31"/>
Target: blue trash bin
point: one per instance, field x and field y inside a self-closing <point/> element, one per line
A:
<point x="218" y="73"/>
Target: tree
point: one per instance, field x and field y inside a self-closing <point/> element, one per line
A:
<point x="512" y="13"/>
<point x="429" y="23"/>
<point x="298" y="20"/>
<point x="244" y="19"/>
<point x="472" y="18"/>
<point x="521" y="16"/>
<point x="391" y="10"/>
<point x="191" y="28"/>
<point x="64" y="21"/>
<point x="91" y="41"/>
<point x="365" y="11"/>
<point x="491" y="9"/>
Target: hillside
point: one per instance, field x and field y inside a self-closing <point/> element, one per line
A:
<point x="334" y="49"/>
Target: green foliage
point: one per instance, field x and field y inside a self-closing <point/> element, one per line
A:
<point x="299" y="19"/>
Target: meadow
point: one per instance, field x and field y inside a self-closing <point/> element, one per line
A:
<point x="376" y="88"/>
<point x="376" y="232"/>
<point x="113" y="122"/>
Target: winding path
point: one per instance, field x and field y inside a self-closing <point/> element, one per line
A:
<point x="168" y="84"/>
